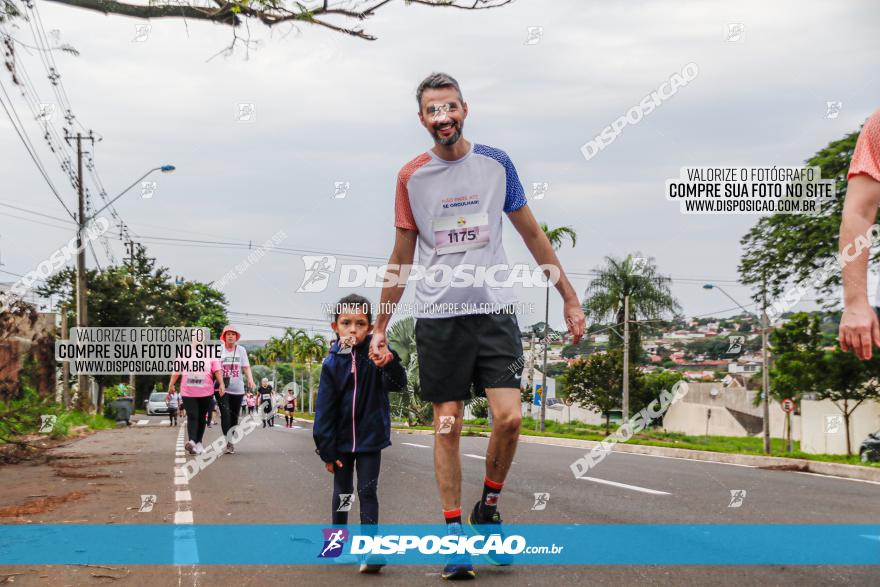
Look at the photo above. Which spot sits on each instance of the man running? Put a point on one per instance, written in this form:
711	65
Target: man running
859	327
450	201
264	396
235	363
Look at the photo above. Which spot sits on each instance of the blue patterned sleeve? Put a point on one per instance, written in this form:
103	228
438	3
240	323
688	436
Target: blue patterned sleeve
514	197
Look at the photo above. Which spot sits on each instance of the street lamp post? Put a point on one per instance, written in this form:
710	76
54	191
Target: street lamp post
81	291
765	373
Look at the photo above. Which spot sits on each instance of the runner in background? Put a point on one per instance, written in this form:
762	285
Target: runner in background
251	402
173	402
212	409
236	366
289	408
265	399
197	392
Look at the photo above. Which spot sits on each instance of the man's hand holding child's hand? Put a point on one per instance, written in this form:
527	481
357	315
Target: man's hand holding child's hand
379	359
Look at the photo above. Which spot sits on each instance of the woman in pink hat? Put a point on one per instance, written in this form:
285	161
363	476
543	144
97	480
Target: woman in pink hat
236	367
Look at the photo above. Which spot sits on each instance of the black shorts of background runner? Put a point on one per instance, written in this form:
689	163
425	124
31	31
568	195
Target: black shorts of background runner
483	349
196	416
230	410
366	465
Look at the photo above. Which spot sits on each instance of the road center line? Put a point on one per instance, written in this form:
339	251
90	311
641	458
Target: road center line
414	444
625	486
467	454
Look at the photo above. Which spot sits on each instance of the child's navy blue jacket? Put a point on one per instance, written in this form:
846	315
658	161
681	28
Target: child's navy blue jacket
352	413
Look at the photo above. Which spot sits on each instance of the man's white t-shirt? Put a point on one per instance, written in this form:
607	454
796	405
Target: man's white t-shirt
233	362
456	207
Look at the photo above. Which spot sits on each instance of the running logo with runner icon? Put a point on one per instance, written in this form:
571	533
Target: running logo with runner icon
446	423
147	503
346	500
541	500
318	271
737	497
47	423
334	541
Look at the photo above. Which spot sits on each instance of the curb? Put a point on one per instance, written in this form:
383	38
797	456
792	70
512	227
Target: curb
860	473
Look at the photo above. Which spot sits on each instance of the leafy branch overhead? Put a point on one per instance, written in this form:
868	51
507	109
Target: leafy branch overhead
271	12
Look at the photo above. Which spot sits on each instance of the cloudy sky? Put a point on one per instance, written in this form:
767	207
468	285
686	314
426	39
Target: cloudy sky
328	108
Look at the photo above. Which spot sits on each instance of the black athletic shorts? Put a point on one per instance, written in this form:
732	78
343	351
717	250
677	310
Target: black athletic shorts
480	349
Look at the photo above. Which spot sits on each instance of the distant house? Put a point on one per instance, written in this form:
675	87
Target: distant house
745	368
700	375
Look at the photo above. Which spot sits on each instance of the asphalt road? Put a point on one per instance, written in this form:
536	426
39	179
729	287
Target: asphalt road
275	477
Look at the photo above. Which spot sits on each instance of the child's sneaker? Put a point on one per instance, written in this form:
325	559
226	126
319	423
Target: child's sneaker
372	564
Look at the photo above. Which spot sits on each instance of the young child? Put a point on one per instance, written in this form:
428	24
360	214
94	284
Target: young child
173	402
353	416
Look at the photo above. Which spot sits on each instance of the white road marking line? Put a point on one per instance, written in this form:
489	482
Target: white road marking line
181	480
143	422
467	454
414	444
182	496
625	486
179	461
183	517
837	477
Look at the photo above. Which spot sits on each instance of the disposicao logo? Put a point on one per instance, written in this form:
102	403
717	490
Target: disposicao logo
334	540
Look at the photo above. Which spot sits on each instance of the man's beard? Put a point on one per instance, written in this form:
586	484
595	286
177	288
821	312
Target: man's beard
448	141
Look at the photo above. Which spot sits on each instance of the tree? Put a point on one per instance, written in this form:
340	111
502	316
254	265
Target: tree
796	356
406	403
787	248
138	294
650	388
801	365
311	349
268	12
649	294
556	236
596	383
848	382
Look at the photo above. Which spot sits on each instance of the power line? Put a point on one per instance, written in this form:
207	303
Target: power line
29	147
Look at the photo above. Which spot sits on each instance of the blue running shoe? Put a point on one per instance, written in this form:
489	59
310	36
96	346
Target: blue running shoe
487	526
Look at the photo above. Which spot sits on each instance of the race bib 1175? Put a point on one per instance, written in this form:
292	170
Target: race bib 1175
455	234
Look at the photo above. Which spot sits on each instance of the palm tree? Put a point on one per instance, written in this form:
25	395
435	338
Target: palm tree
312	349
288	345
556	236
650	297
407	403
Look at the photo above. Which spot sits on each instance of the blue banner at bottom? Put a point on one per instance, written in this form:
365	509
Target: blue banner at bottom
414	544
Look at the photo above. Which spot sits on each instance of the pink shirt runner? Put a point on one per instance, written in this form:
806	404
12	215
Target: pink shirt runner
199	383
866	156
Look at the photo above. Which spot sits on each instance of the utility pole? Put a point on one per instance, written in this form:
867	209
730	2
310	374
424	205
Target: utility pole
65	365
544	368
82	317
130	245
625	408
530	378
765	368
